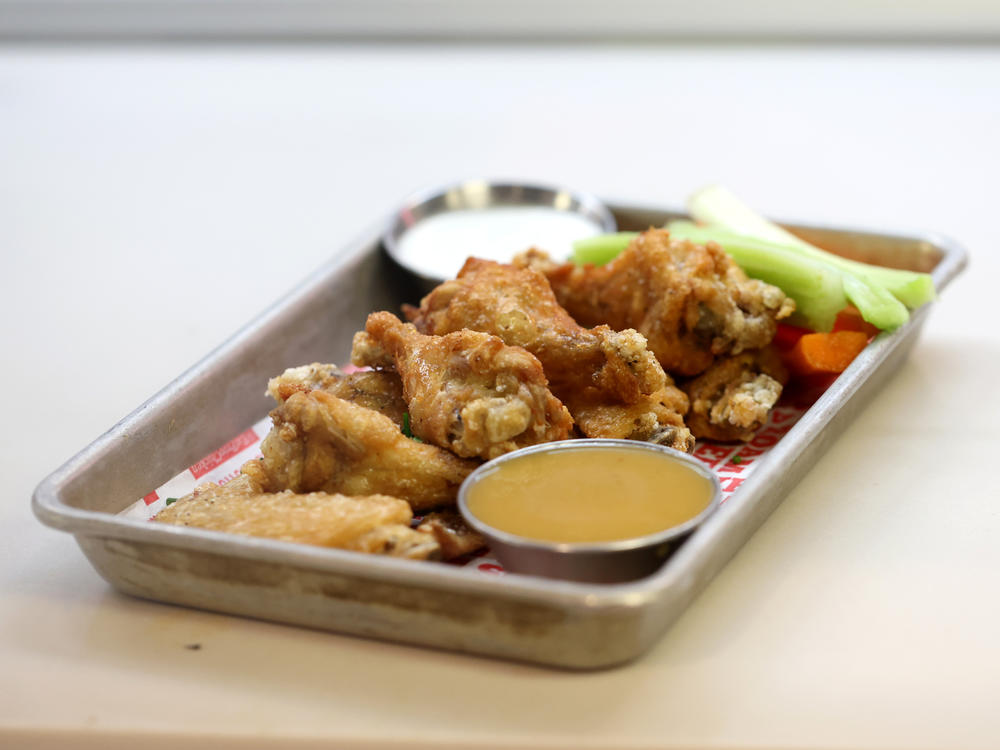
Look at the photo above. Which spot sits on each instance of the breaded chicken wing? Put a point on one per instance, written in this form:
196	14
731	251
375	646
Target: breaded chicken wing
656	418
691	302
518	305
321	443
376	524
467	391
452	533
380	390
730	401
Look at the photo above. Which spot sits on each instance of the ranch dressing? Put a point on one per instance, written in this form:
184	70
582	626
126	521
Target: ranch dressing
436	247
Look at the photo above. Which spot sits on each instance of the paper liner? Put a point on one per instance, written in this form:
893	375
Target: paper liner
733	463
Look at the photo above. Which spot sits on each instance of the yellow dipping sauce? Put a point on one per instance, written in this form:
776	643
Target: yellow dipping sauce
589	494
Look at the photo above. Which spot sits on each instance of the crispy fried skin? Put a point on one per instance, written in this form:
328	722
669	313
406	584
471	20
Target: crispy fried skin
517	304
467	391
376	524
321	443
691	302
454	536
657	418
380	390
730	401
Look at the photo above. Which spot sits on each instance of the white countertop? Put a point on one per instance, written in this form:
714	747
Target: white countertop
154	199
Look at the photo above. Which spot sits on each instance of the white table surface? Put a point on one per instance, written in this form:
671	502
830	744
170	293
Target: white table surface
154	199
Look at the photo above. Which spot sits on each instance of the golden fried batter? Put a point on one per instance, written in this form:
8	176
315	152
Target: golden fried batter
730	401
452	533
321	443
380	390
691	302
656	418
467	391
374	523
518	305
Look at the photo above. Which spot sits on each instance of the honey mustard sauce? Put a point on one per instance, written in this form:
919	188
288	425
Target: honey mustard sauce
588	495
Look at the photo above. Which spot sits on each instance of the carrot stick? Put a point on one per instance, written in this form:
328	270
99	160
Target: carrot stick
818	353
849	319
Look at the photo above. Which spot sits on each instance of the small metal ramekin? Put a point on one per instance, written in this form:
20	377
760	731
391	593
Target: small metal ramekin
595	562
481	194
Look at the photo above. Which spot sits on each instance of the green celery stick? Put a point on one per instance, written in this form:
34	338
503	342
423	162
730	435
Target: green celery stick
602	248
876	304
817	288
716	206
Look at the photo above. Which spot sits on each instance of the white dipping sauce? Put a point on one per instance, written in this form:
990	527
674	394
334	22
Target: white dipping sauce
436	247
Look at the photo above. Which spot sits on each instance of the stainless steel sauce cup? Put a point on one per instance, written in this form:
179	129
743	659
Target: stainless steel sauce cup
596	562
478	194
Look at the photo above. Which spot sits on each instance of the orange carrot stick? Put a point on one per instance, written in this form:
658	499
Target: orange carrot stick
818	353
849	319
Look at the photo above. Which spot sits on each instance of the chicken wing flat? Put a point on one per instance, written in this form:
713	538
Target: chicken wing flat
517	304
380	390
321	443
656	418
691	302
376	524
466	391
730	401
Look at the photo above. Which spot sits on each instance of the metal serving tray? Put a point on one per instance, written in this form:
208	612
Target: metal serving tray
512	616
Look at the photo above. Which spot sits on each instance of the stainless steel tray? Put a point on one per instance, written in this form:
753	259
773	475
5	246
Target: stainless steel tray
517	617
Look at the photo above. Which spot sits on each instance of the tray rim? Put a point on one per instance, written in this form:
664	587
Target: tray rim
50	508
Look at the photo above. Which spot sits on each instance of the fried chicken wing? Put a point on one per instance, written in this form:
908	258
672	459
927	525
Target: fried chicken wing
380	390
517	304
452	533
691	302
656	418
376	524
321	443
467	391
730	401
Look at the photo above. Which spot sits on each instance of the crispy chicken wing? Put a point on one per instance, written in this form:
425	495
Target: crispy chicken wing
691	302
374	523
466	391
452	533
380	390
517	304
730	401
321	443
656	418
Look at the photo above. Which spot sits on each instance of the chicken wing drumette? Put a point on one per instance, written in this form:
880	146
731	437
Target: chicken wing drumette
691	302
321	443
609	380
518	305
730	401
466	391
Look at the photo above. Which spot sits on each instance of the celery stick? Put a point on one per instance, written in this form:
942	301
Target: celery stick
602	248
816	288
909	287
875	303
716	206
819	287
